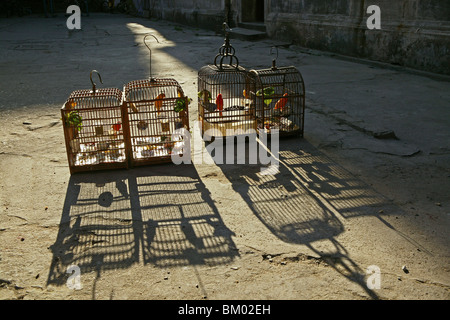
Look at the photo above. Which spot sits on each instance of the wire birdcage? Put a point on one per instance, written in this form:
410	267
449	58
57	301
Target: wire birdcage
93	131
155	110
278	94
223	105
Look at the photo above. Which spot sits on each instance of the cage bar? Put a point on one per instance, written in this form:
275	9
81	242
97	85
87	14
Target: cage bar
223	105
278	94
155	111
93	131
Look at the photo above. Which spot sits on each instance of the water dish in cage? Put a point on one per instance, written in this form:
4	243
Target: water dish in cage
165	125
142	125
234	108
99	131
211	107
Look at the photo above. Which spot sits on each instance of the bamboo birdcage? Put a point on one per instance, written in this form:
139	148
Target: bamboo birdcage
278	94
223	106
155	109
92	123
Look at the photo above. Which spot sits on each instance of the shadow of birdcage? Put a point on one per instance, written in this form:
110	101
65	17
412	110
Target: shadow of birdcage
182	225
306	201
160	215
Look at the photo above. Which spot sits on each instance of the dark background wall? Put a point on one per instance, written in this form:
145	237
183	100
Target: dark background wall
414	33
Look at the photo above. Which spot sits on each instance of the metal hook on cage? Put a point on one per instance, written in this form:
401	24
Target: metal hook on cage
226	28
226	50
92	81
274	63
150	52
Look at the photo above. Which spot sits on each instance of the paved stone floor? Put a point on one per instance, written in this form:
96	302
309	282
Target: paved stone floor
342	201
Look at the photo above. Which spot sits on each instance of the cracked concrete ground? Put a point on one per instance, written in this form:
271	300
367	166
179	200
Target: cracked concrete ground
343	200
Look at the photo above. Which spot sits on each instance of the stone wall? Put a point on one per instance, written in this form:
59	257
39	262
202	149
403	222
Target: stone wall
414	33
198	13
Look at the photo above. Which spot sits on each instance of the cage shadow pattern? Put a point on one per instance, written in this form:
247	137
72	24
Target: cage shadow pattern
114	220
306	201
188	224
300	203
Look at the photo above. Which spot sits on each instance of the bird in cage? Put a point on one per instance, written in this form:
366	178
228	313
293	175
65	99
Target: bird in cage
133	107
281	103
72	104
219	104
267	94
159	102
116	127
205	95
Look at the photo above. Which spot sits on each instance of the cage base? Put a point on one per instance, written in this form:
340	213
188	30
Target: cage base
152	161
98	167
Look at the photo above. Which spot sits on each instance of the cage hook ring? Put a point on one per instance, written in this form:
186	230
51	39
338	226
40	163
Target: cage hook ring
274	66
236	66
92	81
230	51
226	28
149	49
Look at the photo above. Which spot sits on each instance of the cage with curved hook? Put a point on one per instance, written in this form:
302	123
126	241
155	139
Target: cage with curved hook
150	50
223	106
157	117
278	94
92	122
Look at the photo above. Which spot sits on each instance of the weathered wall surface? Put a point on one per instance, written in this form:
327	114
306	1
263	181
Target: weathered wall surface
199	13
414	33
